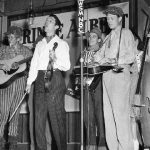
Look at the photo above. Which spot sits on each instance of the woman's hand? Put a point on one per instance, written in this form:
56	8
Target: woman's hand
96	58
6	67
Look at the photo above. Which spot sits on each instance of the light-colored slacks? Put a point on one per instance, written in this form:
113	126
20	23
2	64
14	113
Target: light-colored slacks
116	89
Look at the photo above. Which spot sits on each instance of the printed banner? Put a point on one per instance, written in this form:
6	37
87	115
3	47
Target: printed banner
92	17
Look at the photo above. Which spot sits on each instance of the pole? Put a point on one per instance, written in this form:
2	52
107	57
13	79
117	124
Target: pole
81	31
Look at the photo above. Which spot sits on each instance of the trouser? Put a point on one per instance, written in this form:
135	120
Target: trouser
93	115
9	100
50	104
116	88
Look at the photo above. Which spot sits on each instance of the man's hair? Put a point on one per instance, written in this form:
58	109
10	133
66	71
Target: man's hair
57	21
115	11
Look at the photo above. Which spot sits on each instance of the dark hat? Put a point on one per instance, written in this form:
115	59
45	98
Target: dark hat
114	10
95	30
14	30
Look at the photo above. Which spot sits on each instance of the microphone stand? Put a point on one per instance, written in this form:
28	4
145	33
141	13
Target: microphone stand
81	64
81	31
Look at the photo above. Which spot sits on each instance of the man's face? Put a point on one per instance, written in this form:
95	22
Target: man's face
93	39
13	40
113	20
50	25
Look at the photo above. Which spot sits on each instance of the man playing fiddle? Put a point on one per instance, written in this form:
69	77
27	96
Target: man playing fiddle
51	57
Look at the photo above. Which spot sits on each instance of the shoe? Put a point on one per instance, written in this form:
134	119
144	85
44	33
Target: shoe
2	143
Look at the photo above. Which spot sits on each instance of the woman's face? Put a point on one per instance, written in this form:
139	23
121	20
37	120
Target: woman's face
93	39
13	40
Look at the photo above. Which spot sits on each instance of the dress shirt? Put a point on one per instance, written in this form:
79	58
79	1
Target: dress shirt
111	46
41	57
88	60
88	57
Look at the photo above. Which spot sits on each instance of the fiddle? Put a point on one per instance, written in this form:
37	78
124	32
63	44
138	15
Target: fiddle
49	72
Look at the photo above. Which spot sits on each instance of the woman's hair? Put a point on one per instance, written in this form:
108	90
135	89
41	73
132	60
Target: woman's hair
17	31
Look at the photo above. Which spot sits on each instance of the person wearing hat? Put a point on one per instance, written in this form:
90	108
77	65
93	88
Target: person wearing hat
119	49
51	58
93	115
12	90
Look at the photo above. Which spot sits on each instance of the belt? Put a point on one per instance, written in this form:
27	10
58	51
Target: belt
54	70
